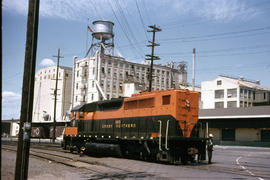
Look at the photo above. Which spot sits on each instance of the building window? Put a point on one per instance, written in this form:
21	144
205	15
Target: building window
92	97
249	94
254	95
241	92
219	82
102	83
66	74
76	98
120	87
231	104
78	72
231	93
219	105
77	85
228	134
219	94
94	70
264	95
241	104
93	84
108	96
166	99
245	93
78	65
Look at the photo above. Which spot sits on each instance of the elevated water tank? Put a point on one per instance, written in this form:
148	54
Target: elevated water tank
103	30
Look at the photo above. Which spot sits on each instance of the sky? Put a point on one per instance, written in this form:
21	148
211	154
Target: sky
231	37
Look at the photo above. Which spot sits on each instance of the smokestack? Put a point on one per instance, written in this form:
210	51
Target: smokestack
193	71
73	81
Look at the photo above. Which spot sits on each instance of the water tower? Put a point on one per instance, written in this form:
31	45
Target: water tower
102	38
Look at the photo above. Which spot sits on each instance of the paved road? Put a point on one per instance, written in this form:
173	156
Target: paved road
228	163
254	162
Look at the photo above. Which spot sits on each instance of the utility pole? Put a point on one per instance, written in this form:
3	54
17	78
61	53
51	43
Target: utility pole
22	158
55	93
73	81
193	70
152	57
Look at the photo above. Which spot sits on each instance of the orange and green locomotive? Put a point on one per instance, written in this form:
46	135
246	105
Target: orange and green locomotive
160	125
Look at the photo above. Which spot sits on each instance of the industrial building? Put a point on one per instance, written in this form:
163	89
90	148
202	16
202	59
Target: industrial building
115	75
43	106
101	75
231	92
239	126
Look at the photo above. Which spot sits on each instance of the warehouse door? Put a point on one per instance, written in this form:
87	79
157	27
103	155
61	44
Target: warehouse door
228	134
265	135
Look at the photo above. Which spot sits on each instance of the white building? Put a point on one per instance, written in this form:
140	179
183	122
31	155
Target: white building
229	92
43	106
110	73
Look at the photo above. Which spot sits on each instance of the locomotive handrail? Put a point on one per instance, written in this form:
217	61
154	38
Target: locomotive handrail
160	135
166	140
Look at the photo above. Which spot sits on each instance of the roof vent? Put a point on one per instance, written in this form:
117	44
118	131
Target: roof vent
258	82
241	78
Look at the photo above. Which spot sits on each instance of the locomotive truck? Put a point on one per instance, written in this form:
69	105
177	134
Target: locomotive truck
159	125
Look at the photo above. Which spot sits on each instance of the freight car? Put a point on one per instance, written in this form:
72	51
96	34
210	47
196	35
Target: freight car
159	125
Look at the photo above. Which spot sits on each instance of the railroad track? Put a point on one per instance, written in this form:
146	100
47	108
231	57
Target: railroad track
101	170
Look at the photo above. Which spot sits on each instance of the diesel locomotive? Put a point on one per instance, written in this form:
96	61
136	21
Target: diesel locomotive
158	125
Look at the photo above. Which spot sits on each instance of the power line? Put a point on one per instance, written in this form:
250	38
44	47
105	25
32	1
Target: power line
127	25
220	50
146	12
217	34
121	26
143	24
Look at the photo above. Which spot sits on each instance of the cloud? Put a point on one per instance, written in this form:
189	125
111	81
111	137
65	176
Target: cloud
11	103
10	97
219	10
47	62
80	10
